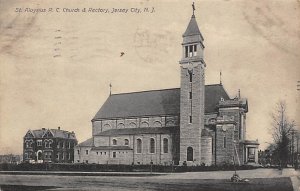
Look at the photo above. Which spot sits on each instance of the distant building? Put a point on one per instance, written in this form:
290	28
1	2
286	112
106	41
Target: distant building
11	159
194	124
49	145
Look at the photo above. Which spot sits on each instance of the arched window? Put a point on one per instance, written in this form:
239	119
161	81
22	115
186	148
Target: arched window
132	125
126	142
39	155
189	156
121	125
50	143
144	124
139	146
166	145
46	143
114	142
152	145
157	124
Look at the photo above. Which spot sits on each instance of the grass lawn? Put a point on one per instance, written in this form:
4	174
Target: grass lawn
46	182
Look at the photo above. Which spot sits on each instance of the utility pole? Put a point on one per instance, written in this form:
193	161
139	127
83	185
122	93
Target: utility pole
298	112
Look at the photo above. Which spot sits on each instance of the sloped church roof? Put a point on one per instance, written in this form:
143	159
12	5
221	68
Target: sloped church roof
192	28
155	102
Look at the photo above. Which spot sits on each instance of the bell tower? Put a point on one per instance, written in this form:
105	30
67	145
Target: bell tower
192	89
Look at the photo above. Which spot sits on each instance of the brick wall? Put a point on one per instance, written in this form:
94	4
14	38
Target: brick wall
224	154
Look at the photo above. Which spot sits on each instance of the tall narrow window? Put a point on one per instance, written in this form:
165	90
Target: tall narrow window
212	145
189	154
190	95
224	142
114	142
190	50
166	145
186	51
86	152
114	154
195	50
126	142
190	119
191	76
46	144
139	146
152	145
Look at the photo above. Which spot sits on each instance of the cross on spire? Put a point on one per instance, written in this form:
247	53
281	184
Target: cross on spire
110	86
193	6
220	77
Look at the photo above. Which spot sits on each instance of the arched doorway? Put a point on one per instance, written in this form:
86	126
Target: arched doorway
190	154
39	156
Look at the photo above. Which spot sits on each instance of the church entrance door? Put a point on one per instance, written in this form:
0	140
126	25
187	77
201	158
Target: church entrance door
190	154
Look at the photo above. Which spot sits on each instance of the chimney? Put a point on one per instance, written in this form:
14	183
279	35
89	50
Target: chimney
58	128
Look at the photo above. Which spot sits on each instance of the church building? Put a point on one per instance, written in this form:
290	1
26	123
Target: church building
195	124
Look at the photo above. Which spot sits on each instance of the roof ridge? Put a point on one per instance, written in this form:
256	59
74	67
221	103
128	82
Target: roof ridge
214	85
145	91
159	90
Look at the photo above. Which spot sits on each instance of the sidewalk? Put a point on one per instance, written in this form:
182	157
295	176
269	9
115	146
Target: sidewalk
257	173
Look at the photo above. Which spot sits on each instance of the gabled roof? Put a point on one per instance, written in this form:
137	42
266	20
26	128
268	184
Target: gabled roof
137	131
29	134
156	102
48	132
63	134
192	28
39	133
88	143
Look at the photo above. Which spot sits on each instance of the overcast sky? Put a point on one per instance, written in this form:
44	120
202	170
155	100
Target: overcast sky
56	66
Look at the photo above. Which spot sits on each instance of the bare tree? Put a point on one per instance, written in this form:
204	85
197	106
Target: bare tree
281	130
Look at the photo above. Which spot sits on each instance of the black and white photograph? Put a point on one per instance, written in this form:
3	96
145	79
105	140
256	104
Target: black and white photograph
150	95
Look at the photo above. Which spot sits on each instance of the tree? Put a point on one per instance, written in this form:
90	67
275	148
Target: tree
281	130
